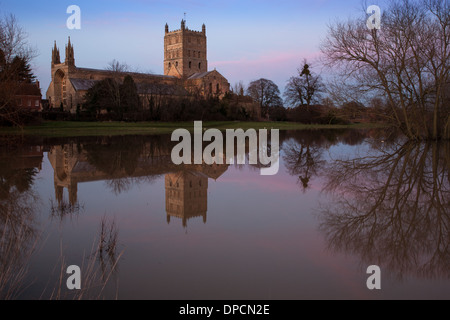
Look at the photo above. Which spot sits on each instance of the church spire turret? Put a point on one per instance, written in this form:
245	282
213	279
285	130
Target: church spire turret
55	55
70	55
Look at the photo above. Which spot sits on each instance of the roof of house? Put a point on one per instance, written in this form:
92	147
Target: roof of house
29	89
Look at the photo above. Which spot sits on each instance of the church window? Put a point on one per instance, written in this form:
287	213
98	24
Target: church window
210	88
170	65
217	88
199	65
176	64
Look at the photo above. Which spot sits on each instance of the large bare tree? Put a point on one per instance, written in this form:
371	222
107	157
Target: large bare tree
15	57
406	61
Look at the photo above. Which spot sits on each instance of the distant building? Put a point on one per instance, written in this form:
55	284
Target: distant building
185	70
29	96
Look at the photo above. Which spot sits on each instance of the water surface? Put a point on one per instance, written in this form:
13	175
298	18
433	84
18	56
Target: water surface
142	228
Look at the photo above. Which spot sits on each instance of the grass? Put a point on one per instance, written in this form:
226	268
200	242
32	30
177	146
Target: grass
79	129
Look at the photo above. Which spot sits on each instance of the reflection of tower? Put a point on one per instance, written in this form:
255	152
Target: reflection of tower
186	195
63	160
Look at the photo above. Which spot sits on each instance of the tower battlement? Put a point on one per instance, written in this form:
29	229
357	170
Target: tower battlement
185	51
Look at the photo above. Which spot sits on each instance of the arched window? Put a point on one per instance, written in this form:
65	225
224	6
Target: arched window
170	65
190	64
176	64
199	65
217	88
210	88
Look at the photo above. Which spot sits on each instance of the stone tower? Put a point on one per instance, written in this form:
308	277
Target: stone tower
185	51
58	93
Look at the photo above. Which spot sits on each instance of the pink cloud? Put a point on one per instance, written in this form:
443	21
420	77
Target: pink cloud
276	66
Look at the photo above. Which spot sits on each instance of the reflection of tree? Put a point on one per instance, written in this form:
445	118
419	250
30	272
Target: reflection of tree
121	157
116	155
302	151
63	209
122	185
302	161
392	208
17	233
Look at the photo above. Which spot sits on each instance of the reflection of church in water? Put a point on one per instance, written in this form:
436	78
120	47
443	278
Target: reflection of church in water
186	186
187	191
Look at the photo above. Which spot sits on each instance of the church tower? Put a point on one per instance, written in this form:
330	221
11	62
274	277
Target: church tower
185	51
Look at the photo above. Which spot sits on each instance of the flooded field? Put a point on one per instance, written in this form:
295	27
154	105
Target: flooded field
140	227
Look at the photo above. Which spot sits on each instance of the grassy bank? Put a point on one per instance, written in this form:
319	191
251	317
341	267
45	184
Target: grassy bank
78	129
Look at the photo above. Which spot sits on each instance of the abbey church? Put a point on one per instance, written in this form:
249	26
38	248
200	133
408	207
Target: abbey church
185	71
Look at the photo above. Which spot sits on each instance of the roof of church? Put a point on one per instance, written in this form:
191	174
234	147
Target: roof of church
137	74
199	75
142	87
82	84
160	88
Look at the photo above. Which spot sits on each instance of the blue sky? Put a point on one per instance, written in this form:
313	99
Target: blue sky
247	40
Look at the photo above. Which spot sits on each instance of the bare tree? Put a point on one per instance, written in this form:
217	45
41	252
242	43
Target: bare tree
304	88
239	88
266	93
117	66
407	61
15	57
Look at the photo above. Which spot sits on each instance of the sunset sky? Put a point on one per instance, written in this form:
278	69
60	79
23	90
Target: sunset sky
247	40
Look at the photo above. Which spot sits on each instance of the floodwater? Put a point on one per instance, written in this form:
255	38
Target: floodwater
140	227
